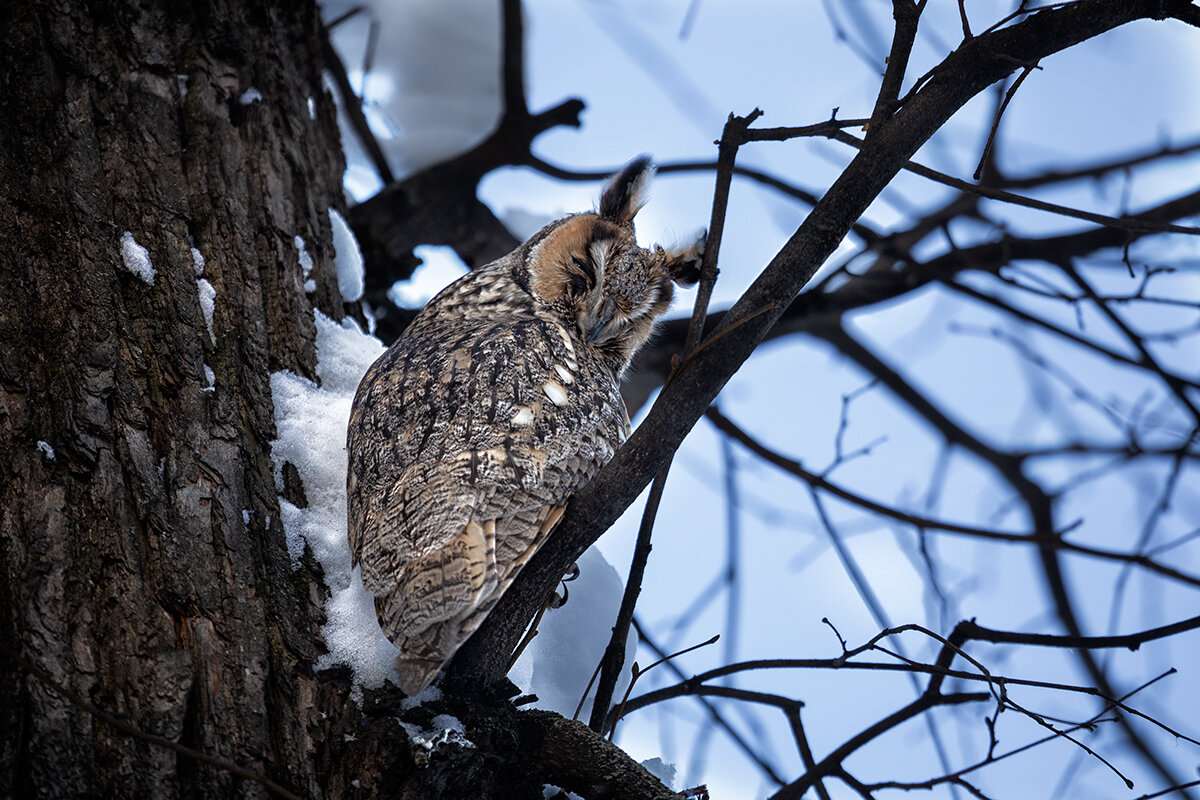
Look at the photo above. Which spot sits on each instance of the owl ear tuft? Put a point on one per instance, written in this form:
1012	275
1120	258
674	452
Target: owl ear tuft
683	263
625	192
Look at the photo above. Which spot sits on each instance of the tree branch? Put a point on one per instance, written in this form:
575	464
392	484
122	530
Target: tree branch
614	655
907	15
832	763
570	755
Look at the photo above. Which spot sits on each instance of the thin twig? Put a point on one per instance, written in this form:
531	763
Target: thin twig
739	741
1008	96
906	15
614	654
352	104
638	672
1127	224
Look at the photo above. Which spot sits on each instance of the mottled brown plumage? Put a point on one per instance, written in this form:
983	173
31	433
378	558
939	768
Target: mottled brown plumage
499	401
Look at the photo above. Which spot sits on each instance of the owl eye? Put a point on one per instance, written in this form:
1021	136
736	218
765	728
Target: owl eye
583	277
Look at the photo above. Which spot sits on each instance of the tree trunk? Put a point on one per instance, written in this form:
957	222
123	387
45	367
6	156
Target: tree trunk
144	564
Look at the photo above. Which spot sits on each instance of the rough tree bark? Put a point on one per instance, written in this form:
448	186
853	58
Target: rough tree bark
145	573
144	563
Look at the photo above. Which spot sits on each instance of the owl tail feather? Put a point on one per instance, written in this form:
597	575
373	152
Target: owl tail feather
415	673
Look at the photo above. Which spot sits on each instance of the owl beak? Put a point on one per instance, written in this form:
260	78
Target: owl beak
605	316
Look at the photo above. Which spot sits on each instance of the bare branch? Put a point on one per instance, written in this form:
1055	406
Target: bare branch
907	15
1122	223
352	104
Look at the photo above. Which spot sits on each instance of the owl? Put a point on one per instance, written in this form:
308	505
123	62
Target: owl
499	401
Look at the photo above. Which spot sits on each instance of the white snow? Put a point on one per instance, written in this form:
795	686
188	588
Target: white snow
450	731
208	296
560	660
662	770
306	264
549	791
446	722
347	259
427	695
251	95
46	449
210	379
197	262
311	422
312	108
441	266
136	258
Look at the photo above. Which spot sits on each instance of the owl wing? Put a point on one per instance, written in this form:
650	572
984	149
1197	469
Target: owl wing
464	447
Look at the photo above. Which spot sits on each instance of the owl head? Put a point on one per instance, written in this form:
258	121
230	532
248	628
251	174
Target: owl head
589	269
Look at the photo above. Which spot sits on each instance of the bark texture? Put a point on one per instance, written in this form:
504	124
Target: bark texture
144	564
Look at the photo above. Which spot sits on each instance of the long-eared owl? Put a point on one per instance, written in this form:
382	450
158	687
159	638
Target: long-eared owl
497	403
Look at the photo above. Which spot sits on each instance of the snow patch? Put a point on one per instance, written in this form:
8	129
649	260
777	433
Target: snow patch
208	296
251	95
136	258
429	694
311	422
446	730
662	770
560	660
312	108
447	722
347	259
552	792
210	379
197	262
46	449
429	740
306	264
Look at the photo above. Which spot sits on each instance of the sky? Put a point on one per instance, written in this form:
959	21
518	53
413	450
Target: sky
661	76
